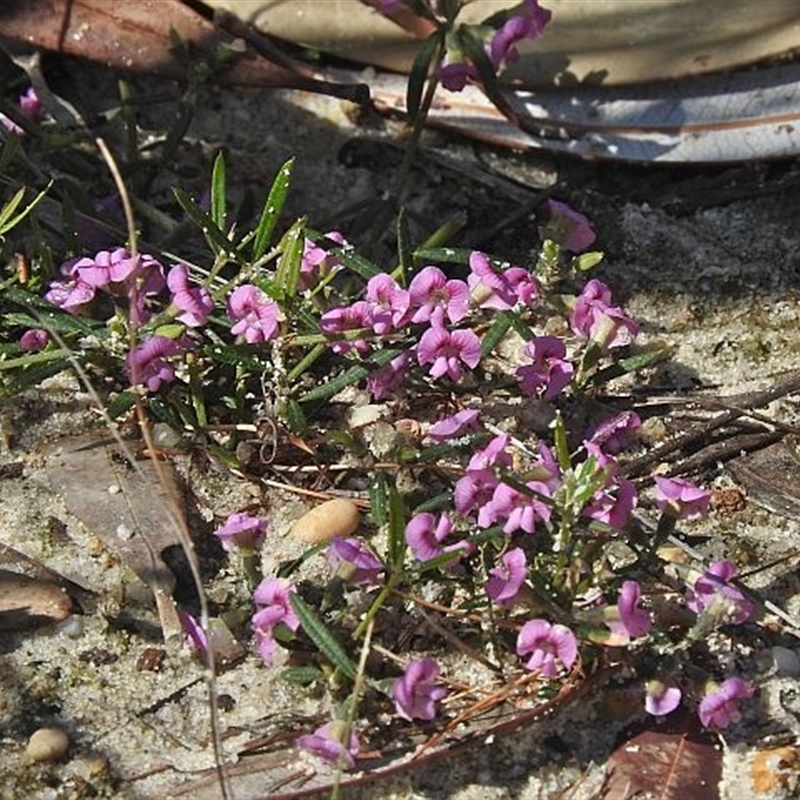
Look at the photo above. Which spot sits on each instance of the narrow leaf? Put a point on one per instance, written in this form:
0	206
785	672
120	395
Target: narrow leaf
498	330
218	192
347	378
447	255
419	71
215	236
272	209
378	499
319	634
287	275
397	525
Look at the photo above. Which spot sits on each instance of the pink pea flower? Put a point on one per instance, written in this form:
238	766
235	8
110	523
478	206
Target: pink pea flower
454	72
275	608
334	742
389	378
389	303
425	534
254	315
616	433
631	621
316	262
195	635
72	296
660	699
474	491
29	105
347	318
500	289
494	455
242	532
519	510
550	647
415	693
353	561
613	507
719	707
595	318
569	228
506	579
714	595
109	266
545	468
452	427
446	351
34	339
550	371
194	302
147	364
432	297
681	498
528	24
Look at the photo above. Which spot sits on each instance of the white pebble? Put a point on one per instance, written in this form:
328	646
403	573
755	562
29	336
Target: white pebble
47	744
337	517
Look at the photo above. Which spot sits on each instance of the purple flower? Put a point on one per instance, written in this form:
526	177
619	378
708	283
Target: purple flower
34	339
507	578
528	24
714	595
109	266
446	351
595	318
147	363
547	645
353	561
681	498
494	454
71	296
550	371
433	296
242	532
568	228
389	303
660	699
613	508
415	693
195	635
275	608
316	262
29	105
518	509
492	288
631	621
454	426
615	434
388	379
255	316
334	742
455	71
719	708
347	318
474	490
425	534
194	302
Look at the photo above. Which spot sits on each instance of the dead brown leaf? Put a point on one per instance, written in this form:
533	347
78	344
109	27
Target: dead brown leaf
672	760
128	504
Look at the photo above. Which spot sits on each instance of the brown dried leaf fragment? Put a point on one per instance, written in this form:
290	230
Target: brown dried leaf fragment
672	760
130	505
27	603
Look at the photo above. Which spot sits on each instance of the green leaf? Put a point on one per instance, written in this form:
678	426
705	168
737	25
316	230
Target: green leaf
356	263
586	261
295	417
378	499
29	378
55	321
218	192
217	240
626	365
7	218
287	275
498	330
397	525
404	254
446	255
303	676
272	209
322	637
420	69
325	390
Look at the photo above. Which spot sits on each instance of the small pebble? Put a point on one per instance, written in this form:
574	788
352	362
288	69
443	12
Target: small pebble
47	744
338	517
